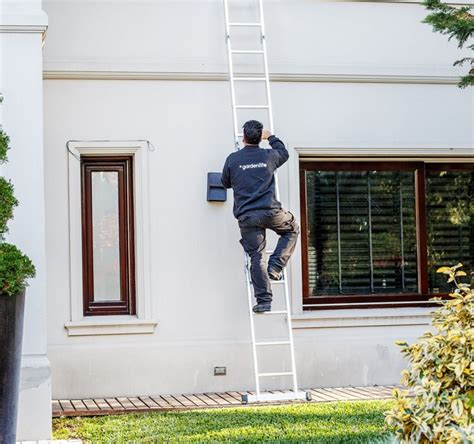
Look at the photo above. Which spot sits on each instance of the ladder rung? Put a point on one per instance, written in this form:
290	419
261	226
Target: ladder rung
274	343
250	79
244	24
260	375
252	107
277	312
247	51
240	134
281	281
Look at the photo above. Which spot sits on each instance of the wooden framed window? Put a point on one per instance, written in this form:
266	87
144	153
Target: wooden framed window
450	220
108	255
375	232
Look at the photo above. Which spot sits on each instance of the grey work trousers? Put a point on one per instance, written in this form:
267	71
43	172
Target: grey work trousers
253	225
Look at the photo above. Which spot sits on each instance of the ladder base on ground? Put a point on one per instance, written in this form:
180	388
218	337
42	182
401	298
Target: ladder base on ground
275	397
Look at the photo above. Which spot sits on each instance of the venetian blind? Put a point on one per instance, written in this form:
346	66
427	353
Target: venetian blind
361	232
450	221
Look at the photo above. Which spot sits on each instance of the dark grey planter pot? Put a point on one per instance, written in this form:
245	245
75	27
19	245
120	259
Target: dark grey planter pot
11	335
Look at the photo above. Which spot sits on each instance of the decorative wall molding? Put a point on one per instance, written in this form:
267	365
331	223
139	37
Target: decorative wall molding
458	3
22	29
384	317
35	370
142	322
94	327
276	77
417	2
359	152
35	22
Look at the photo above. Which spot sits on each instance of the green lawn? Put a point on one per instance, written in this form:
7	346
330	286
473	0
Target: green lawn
336	422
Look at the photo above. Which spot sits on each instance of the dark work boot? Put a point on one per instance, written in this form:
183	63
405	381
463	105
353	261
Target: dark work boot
262	307
275	275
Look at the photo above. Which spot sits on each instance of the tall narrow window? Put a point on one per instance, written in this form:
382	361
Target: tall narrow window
108	235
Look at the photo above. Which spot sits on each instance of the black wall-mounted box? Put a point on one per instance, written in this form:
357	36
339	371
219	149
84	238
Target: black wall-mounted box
216	192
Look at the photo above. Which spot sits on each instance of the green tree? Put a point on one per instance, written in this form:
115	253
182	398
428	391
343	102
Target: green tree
15	267
457	22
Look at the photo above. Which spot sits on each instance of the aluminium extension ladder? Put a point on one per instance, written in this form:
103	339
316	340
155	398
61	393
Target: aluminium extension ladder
264	77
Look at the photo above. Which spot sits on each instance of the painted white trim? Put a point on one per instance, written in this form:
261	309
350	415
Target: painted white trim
35	22
110	325
458	3
385	317
22	29
295	271
416	2
361	151
35	371
91	74
358	152
139	150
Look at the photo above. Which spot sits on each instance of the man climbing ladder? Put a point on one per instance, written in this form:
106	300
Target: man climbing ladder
250	173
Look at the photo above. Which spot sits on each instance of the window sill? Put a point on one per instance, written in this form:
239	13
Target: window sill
377	317
110	325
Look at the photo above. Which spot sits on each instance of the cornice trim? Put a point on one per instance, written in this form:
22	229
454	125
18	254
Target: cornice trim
35	22
21	29
220	76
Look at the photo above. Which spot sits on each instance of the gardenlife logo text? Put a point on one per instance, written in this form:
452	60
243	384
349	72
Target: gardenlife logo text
253	165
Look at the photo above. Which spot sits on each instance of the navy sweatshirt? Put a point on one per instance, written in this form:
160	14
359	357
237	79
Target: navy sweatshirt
249	172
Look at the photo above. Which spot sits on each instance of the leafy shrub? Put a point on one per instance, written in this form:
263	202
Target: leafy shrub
7	203
4	140
15	267
441	374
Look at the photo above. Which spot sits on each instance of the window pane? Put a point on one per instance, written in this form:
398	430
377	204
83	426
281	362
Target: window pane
450	214
105	226
361	232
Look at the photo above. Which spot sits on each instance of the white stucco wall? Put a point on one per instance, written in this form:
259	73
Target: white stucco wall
360	76
22	25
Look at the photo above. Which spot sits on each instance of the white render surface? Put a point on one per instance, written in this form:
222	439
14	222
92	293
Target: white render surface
21	31
365	78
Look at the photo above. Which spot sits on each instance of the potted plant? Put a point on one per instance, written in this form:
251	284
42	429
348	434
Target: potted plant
15	270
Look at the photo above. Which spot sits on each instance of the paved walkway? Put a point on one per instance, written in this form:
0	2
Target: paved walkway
113	406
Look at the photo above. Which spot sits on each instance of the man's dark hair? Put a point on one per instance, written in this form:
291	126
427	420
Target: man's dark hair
253	132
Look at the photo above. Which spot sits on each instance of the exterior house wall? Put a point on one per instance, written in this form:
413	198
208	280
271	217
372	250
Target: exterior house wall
22	25
352	77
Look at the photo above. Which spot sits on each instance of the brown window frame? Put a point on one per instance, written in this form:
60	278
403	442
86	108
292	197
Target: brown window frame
421	298
123	165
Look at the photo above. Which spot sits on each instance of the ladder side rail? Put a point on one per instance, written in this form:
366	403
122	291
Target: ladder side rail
290	333
231	72
265	64
252	326
246	257
277	188
267	84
